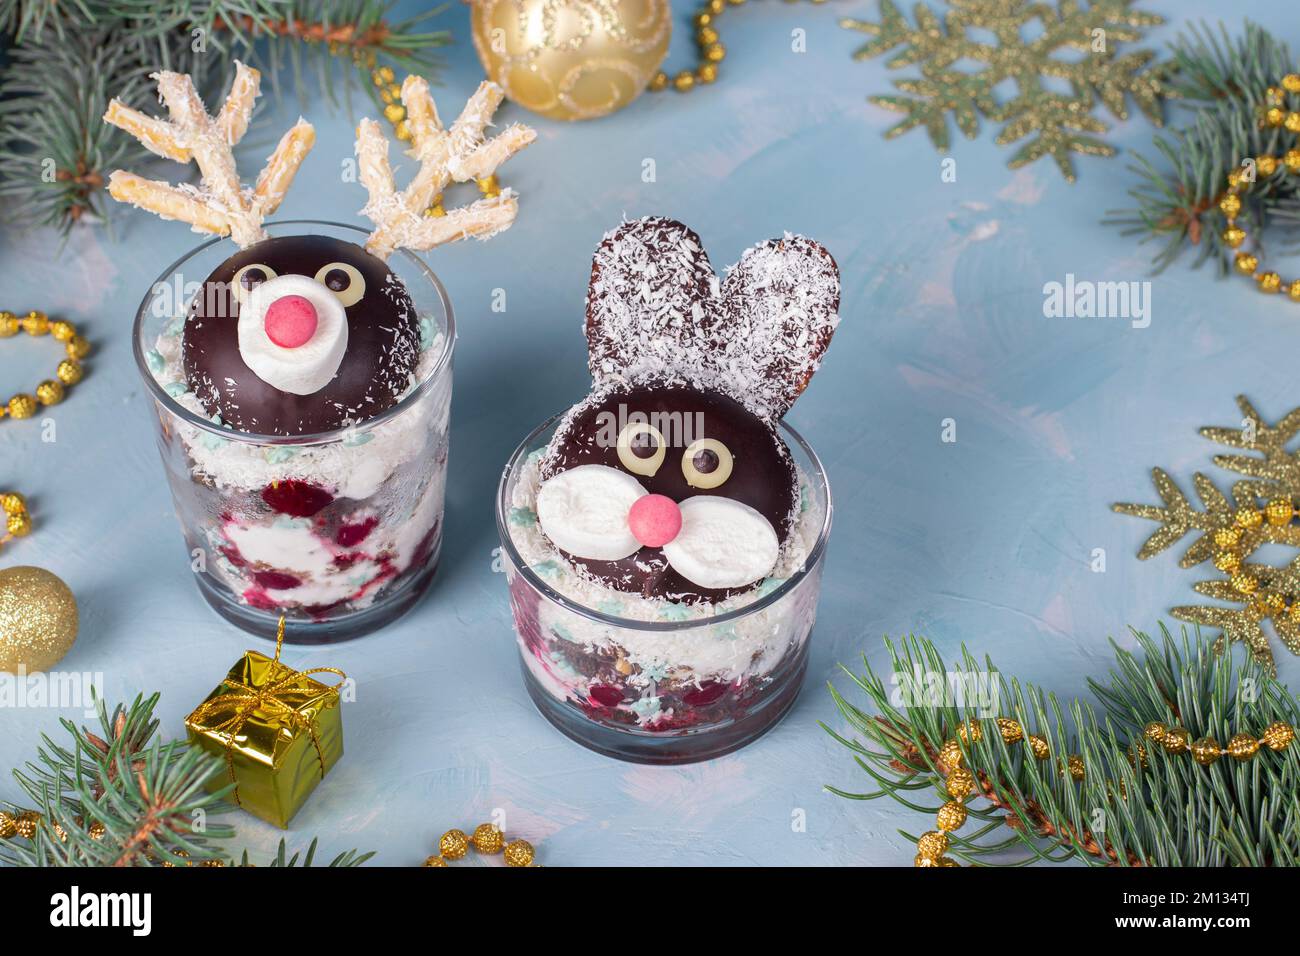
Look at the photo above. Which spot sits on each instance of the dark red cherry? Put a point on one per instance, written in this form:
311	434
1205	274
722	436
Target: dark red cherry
276	580
605	695
705	694
295	498
351	535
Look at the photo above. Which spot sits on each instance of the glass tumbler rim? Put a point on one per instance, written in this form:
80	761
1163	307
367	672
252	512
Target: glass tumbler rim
813	561
254	438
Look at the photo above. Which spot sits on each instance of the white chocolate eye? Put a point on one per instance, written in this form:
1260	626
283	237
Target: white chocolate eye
249	278
344	280
706	463
634	438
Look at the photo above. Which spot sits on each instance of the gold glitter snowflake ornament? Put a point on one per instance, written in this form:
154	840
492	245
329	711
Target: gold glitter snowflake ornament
1023	43
1261	511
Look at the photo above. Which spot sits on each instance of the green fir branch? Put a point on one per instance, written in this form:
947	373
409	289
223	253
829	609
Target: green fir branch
1162	809
65	61
120	796
1176	200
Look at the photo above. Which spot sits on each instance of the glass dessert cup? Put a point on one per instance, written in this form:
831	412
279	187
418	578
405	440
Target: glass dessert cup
338	531
660	690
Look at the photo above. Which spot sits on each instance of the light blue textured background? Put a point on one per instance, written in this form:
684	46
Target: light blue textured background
986	541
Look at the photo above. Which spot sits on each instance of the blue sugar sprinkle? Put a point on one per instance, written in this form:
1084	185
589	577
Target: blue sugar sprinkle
523	517
646	706
655	671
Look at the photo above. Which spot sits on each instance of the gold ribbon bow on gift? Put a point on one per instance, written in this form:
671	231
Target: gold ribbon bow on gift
246	699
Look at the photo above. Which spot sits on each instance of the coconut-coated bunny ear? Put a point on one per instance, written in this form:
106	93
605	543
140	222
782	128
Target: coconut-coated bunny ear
652	300
656	308
780	306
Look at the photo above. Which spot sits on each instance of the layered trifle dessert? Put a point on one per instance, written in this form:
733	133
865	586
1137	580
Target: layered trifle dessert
303	386
664	539
305	527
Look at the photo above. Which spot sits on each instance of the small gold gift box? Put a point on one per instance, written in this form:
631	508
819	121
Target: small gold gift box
278	730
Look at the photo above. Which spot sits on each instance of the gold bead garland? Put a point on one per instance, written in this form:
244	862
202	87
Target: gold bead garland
18	523
960	782
69	371
1248	263
25	823
1231	546
487	839
390	93
709	48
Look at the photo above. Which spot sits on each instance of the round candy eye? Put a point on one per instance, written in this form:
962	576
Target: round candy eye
249	278
641	448
344	280
706	463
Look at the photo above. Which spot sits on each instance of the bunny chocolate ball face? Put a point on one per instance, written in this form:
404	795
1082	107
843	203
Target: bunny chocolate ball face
300	334
679	441
668	491
670	481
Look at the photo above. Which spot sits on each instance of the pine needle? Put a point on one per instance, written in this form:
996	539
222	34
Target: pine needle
1166	811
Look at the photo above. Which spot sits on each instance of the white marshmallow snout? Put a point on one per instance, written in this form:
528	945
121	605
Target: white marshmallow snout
723	543
584	512
309	367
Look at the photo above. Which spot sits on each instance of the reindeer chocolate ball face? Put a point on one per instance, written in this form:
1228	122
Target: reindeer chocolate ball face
300	334
706	489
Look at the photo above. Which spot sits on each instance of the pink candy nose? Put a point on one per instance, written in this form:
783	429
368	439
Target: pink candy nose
290	321
654	520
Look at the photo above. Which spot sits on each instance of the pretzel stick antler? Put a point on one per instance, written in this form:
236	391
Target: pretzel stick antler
222	205
459	154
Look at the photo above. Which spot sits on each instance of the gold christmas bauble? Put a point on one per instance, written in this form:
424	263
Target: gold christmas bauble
38	619
571	59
